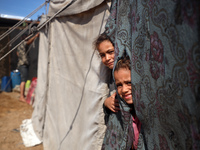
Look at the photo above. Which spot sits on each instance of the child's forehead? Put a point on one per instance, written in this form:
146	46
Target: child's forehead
121	71
123	68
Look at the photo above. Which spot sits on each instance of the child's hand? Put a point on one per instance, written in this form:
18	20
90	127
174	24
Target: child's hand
112	103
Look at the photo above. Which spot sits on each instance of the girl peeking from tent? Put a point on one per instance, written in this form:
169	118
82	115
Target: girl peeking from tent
107	53
122	124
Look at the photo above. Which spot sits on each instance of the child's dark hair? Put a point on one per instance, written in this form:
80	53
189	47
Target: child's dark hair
102	37
123	62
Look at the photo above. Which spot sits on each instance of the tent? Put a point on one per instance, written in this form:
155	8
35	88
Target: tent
162	40
71	85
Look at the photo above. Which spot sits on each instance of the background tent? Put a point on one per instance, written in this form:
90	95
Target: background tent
68	112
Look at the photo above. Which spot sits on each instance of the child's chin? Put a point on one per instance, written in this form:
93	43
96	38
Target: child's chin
110	67
129	101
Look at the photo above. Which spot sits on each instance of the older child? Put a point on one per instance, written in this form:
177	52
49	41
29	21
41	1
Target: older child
107	53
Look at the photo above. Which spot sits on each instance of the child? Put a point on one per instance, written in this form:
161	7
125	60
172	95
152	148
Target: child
107	53
123	132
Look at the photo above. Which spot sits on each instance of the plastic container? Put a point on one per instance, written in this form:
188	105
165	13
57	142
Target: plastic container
28	83
16	78
6	84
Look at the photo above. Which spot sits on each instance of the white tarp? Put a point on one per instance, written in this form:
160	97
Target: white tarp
27	133
68	111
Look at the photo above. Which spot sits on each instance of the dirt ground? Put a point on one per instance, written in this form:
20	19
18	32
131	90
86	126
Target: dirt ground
12	113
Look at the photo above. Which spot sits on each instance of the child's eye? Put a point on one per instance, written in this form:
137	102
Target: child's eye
111	51
101	55
128	83
118	85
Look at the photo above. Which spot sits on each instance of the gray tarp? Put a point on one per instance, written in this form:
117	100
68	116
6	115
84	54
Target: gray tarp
73	6
68	111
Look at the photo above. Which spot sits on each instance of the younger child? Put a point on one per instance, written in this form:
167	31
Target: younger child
123	132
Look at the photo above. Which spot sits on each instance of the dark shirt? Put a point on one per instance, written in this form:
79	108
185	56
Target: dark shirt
22	55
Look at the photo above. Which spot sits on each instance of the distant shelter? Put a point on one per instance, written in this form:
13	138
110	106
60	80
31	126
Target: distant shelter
9	63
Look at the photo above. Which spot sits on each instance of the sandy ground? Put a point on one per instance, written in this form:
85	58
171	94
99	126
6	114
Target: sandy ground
12	113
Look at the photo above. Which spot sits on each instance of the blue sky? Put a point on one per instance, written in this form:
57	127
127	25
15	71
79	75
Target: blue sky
22	8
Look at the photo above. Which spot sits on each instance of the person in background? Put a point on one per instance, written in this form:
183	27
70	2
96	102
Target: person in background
23	63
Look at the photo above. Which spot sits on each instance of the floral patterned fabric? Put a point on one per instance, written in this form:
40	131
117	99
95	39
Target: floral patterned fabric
162	40
119	133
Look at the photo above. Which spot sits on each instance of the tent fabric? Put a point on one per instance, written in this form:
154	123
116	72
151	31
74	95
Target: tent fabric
162	40
72	82
38	116
73	6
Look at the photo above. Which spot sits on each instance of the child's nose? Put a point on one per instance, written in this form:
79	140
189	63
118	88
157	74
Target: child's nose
124	89
107	57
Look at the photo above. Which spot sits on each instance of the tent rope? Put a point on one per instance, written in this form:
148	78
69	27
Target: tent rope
17	36
59	11
41	26
16	46
21	21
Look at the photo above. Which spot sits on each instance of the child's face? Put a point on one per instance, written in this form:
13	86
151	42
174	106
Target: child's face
123	82
107	53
